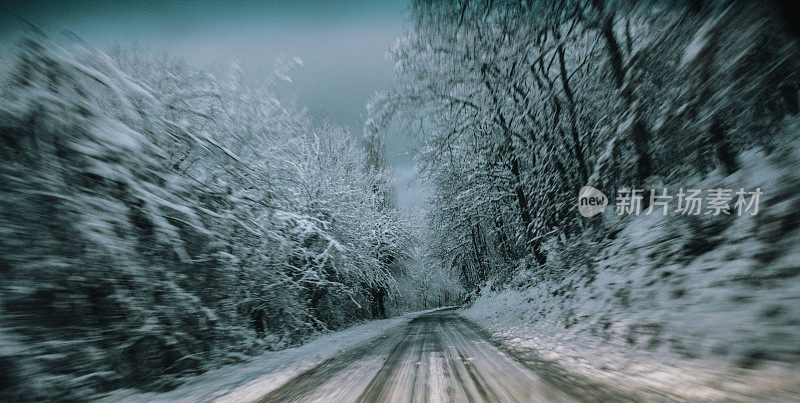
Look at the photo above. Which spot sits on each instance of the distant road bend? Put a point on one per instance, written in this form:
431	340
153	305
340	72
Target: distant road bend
437	357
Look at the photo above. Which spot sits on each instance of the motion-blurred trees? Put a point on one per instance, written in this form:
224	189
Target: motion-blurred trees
522	103
157	220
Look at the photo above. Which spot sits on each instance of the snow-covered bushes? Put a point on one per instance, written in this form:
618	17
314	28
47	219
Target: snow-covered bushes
156	221
663	290
98	234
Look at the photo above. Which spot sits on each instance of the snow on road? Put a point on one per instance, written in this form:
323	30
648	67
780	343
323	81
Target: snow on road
441	356
250	380
602	364
423	356
437	357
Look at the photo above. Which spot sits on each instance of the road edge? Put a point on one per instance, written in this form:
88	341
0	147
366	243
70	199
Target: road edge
575	385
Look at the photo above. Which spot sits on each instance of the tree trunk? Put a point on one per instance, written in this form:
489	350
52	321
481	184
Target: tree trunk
722	148
576	143
639	133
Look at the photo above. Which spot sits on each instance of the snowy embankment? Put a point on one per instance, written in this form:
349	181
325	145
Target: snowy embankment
251	380
672	306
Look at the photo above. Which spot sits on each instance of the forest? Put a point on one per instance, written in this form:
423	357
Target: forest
159	220
521	105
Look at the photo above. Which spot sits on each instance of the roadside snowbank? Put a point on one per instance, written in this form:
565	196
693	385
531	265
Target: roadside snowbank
673	306
251	380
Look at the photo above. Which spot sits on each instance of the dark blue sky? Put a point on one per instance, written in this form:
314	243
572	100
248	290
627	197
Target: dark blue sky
342	44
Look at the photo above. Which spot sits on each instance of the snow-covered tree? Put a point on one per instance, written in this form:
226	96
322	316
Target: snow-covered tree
522	104
157	220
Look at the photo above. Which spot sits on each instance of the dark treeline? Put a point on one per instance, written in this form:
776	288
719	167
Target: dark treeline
520	104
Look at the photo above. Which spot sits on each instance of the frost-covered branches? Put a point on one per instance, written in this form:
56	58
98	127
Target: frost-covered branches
524	103
156	218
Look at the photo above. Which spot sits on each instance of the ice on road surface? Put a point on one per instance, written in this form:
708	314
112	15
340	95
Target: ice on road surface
436	357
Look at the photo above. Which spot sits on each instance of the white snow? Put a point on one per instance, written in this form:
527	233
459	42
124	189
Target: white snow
716	322
251	380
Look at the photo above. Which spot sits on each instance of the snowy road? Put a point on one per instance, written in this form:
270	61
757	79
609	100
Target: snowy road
436	357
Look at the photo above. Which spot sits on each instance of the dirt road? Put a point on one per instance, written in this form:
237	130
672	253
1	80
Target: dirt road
437	357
